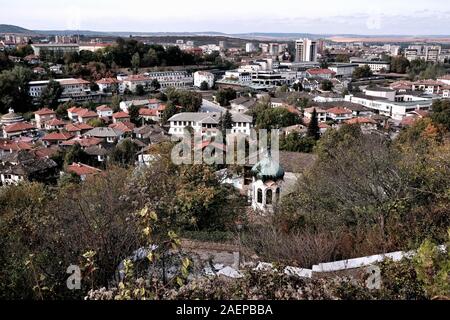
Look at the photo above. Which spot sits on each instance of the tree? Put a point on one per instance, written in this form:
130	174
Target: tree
76	154
313	126
140	91
399	64
169	112
204	86
155	84
115	103
362	72
133	112
441	113
224	96
136	62
326	85
96	123
276	118
294	142
225	122
124	153
14	89
51	94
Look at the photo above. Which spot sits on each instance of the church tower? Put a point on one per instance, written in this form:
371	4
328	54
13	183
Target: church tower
268	178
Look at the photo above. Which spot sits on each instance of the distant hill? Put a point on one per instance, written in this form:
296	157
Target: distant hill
7	28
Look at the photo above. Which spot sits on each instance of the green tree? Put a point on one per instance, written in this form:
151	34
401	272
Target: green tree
276	118
136	62
133	111
76	154
326	85
294	142
14	89
362	72
125	152
115	103
140	91
155	84
313	126
224	96
51	94
204	86
225	122
96	123
441	113
399	64
169	112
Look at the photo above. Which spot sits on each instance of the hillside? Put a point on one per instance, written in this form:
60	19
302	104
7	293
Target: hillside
7	28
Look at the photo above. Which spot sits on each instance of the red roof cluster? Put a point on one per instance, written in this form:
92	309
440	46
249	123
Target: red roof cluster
57	136
18	127
44	112
82	170
121	115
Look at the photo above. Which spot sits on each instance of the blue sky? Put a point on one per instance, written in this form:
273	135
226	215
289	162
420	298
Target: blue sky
430	17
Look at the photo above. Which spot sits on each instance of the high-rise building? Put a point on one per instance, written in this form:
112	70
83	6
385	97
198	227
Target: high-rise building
250	47
306	50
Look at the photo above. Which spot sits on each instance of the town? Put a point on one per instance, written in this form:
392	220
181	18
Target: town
345	166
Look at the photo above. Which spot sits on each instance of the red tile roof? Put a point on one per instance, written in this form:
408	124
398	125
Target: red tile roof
108	81
339	111
121	115
55	122
125	127
146	112
361	120
104	108
83	142
57	136
44	112
87	114
82	169
18	127
320	71
15	145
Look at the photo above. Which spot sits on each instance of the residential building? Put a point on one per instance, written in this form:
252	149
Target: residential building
60	48
375	66
18	129
73	89
320	73
306	50
207	123
82	170
16	167
321	113
43	115
203	76
104	111
339	114
110	135
343	70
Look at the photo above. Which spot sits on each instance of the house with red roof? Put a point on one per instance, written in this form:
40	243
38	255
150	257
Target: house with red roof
104	111
86	115
43	115
84	142
339	114
320	73
73	112
366	124
110	84
125	127
121	117
54	124
18	129
82	170
56	138
77	128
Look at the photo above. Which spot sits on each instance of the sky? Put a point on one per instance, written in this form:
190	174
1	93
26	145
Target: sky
368	17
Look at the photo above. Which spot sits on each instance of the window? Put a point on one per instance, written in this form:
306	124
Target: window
269	196
277	196
260	196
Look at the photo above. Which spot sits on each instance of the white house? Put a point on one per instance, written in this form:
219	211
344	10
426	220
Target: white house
321	113
207	123
203	76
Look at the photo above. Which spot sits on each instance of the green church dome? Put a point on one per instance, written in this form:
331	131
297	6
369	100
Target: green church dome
268	169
